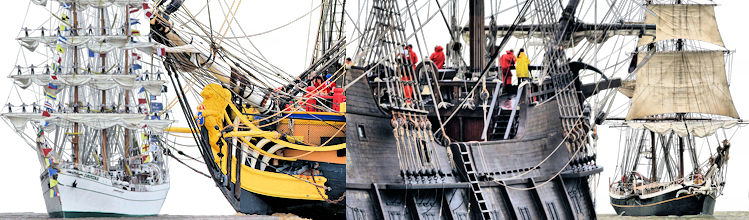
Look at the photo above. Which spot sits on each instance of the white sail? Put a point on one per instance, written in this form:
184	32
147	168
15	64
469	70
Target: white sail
101	82
682	82
92	120
687	21
684	128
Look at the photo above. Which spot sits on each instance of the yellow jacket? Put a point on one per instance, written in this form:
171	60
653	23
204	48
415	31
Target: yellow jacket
521	66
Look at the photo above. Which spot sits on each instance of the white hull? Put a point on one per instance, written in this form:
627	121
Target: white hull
97	196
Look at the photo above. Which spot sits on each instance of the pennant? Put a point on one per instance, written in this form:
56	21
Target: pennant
60	49
135	32
161	51
51	171
62	39
134	21
52	86
52	182
48	161
49	107
58	58
136	56
91	53
149	14
137	66
51	96
142	90
46	151
134	9
146	8
52	193
46	114
65	5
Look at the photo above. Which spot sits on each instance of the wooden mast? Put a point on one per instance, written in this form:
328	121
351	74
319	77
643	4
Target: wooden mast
104	156
126	157
476	23
76	136
653	159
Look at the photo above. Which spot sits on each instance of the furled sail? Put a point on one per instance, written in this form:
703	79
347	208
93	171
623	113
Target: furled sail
93	120
682	82
687	21
102	82
683	128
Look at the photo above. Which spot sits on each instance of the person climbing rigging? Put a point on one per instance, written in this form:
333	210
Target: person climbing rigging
438	57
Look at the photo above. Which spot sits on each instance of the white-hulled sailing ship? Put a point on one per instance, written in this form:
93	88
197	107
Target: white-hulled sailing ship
91	109
680	102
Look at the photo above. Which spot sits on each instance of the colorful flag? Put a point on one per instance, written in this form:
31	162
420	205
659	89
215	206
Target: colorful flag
52	86
65	18
134	21
65	5
52	193
135	32
58	58
137	66
51	171
161	51
141	101
62	39
52	182
144	149
146	8
147	158
134	9
54	77
60	49
46	114
48	106
136	56
46	151
48	161
56	67
63	27
51	96
91	53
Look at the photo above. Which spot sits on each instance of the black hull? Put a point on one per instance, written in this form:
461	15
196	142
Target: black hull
666	204
252	203
375	189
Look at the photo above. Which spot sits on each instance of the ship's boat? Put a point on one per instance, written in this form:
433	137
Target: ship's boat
92	110
272	142
454	143
680	104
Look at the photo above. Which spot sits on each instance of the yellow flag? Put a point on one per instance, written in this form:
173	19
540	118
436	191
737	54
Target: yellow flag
52	182
51	193
60	49
63	27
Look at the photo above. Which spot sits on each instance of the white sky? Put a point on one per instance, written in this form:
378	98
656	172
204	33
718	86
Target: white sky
193	194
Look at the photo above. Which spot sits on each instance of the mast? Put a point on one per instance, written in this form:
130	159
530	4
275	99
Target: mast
476	23
126	157
76	136
104	155
653	158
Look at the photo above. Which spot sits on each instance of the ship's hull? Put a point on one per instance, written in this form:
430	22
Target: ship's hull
81	194
665	204
376	190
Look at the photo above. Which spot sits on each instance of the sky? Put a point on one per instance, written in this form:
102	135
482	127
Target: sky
289	48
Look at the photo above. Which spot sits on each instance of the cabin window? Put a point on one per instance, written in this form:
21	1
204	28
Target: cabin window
362	134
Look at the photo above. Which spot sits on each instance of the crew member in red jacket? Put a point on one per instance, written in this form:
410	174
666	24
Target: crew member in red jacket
438	57
412	56
505	62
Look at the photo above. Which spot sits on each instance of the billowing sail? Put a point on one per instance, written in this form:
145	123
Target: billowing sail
687	21
682	82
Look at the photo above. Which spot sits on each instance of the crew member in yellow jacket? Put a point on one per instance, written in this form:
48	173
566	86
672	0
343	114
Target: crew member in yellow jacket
521	67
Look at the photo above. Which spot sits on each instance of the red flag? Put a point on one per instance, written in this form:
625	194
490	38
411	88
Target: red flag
46	151
46	114
133	10
146	7
161	51
54	77
141	101
149	14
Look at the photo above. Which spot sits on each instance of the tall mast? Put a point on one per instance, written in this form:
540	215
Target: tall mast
126	156
104	156
653	158
476	23
75	89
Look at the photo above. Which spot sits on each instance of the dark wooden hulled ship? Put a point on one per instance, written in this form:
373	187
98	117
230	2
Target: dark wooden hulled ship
424	144
679	101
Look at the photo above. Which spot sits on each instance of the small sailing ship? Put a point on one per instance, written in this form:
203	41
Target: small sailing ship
272	141
680	105
91	109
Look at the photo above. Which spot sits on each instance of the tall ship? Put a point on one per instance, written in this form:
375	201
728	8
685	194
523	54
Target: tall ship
89	103
272	141
457	141
676	134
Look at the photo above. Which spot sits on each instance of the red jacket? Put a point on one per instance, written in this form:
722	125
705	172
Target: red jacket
507	60
412	57
438	57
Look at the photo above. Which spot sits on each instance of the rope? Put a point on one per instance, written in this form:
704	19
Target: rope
652	204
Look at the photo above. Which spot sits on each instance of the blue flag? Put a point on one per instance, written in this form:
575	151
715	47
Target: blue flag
137	67
156	107
134	21
91	53
62	39
65	5
52	171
